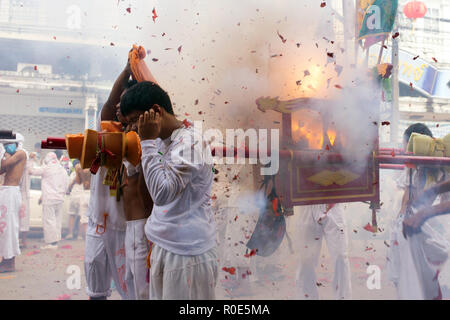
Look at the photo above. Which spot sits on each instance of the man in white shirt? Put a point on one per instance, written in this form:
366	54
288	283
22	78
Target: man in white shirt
177	168
55	183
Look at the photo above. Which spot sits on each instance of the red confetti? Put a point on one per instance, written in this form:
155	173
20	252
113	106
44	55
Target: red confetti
196	102
327	147
395	35
154	14
415	57
385	123
281	37
411	85
129	10
154	59
330	54
179	49
31	253
251	253
35	67
337	86
230	270
369	228
54	38
235	218
323	4
186	123
111	44
434	59
17	90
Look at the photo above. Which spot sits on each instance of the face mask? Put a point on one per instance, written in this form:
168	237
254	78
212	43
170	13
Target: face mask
11	148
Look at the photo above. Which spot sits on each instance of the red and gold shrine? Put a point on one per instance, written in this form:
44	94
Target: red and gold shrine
318	159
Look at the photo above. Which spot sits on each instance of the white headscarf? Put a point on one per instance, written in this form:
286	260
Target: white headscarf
51	159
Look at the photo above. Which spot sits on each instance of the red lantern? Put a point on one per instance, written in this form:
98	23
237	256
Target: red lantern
415	9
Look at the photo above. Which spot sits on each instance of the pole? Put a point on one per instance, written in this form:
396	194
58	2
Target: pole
395	90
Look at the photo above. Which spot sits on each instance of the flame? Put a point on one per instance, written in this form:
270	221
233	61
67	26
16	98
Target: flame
331	136
307	128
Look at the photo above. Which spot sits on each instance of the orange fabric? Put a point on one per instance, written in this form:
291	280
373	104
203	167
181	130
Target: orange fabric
138	67
111	126
74	144
134	151
115	143
89	152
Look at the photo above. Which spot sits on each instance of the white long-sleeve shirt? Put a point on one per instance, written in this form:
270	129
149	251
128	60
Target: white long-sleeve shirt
54	183
178	174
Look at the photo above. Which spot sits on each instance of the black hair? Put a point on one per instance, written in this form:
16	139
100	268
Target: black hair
131	83
142	96
417	128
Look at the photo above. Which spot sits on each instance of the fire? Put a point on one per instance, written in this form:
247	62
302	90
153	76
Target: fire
307	130
331	136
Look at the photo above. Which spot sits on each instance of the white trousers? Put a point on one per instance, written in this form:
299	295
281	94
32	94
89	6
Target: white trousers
314	225
51	222
136	249
177	277
104	260
10	201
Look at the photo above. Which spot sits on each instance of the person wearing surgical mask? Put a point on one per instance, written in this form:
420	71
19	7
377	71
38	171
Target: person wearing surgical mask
12	164
55	183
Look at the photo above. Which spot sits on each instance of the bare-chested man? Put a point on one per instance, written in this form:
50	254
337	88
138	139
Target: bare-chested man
137	209
12	165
